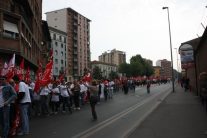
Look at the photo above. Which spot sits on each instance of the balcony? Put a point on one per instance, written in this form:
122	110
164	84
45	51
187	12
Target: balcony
75	45
75	38
10	45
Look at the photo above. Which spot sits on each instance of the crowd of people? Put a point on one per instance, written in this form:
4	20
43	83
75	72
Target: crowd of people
19	103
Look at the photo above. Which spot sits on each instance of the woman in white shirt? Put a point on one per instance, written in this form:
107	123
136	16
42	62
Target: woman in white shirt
55	98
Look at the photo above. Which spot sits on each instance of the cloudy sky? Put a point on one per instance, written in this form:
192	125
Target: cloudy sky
138	26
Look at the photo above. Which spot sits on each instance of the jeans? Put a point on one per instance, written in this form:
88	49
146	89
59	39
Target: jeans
4	120
24	108
110	94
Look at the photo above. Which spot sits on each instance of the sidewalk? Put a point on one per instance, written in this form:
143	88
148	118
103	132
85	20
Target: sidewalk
180	115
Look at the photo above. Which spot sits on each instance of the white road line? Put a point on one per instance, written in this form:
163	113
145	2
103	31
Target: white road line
112	119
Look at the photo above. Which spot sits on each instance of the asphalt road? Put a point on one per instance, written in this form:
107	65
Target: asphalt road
116	118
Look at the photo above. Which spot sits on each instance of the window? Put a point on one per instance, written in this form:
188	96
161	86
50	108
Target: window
56	52
60	38
56	70
61	61
56	61
61	45
56	44
54	36
62	53
64	40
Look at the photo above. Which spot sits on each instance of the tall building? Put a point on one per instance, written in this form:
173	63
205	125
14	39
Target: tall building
59	51
21	31
77	28
113	57
166	70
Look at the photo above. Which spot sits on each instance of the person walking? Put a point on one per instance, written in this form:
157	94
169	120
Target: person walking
55	98
44	98
7	95
93	89
125	87
148	86
76	94
24	101
65	96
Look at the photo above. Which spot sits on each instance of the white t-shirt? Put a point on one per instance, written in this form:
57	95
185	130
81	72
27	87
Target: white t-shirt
24	88
83	88
55	97
63	91
45	91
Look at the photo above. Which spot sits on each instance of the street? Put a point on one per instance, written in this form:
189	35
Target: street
117	117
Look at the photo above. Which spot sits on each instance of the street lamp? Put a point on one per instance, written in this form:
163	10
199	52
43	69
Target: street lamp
177	62
173	86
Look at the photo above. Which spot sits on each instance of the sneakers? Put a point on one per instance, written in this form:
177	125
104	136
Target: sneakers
21	133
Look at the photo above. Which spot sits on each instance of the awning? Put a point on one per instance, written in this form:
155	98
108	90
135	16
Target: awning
8	26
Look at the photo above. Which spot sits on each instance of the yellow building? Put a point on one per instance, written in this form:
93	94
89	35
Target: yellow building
157	71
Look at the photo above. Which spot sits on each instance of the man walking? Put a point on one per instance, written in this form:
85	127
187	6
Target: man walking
7	95
24	101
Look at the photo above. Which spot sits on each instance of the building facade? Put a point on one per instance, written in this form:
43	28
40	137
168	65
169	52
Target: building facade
157	71
77	28
59	51
21	31
113	57
166	71
106	68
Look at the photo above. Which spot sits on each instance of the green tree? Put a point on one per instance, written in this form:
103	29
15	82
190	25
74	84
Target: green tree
113	75
97	73
124	68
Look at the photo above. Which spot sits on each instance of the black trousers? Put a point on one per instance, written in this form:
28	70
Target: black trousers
93	101
76	99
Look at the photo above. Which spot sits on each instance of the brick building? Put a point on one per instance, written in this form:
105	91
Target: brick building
166	70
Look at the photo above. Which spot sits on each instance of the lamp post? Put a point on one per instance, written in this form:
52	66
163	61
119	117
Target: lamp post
173	86
177	61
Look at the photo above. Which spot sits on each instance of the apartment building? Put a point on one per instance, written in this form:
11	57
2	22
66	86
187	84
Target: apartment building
113	57
77	28
59	51
166	70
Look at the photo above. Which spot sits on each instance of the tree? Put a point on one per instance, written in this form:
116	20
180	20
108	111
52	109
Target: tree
113	75
97	73
124	68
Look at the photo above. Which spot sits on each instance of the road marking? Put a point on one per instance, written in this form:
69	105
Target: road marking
114	118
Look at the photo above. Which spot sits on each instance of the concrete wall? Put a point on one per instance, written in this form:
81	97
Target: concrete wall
57	19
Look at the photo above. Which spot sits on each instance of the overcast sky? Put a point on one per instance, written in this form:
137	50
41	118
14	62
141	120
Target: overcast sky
138	26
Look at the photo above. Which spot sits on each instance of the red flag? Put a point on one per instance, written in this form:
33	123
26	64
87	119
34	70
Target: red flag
20	71
38	78
27	75
47	75
10	73
87	77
